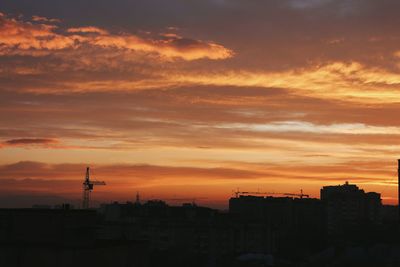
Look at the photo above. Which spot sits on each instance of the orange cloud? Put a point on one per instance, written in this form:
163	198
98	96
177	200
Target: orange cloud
27	38
351	82
170	46
89	29
18	37
44	19
338	81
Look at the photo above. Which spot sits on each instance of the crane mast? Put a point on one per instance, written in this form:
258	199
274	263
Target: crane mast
88	186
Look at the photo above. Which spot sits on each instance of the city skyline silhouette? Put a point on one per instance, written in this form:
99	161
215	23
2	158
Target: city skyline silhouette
202	133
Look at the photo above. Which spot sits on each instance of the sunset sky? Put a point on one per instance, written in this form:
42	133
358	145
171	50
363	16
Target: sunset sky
183	99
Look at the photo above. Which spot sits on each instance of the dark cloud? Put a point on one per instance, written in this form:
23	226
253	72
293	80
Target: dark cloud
30	141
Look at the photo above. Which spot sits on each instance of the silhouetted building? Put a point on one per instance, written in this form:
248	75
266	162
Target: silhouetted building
348	208
287	223
61	237
257	231
188	232
390	214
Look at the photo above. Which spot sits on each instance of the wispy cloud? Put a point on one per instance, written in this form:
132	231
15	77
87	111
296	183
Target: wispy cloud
45	20
30	141
340	81
307	127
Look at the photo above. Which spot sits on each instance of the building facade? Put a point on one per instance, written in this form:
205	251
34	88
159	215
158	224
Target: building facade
348	208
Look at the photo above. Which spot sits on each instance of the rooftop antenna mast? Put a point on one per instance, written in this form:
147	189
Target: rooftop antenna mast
88	186
137	198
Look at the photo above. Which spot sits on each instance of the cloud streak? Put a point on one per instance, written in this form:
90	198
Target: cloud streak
337	81
28	141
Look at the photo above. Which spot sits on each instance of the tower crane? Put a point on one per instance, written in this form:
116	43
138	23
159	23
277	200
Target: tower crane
301	195
88	186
